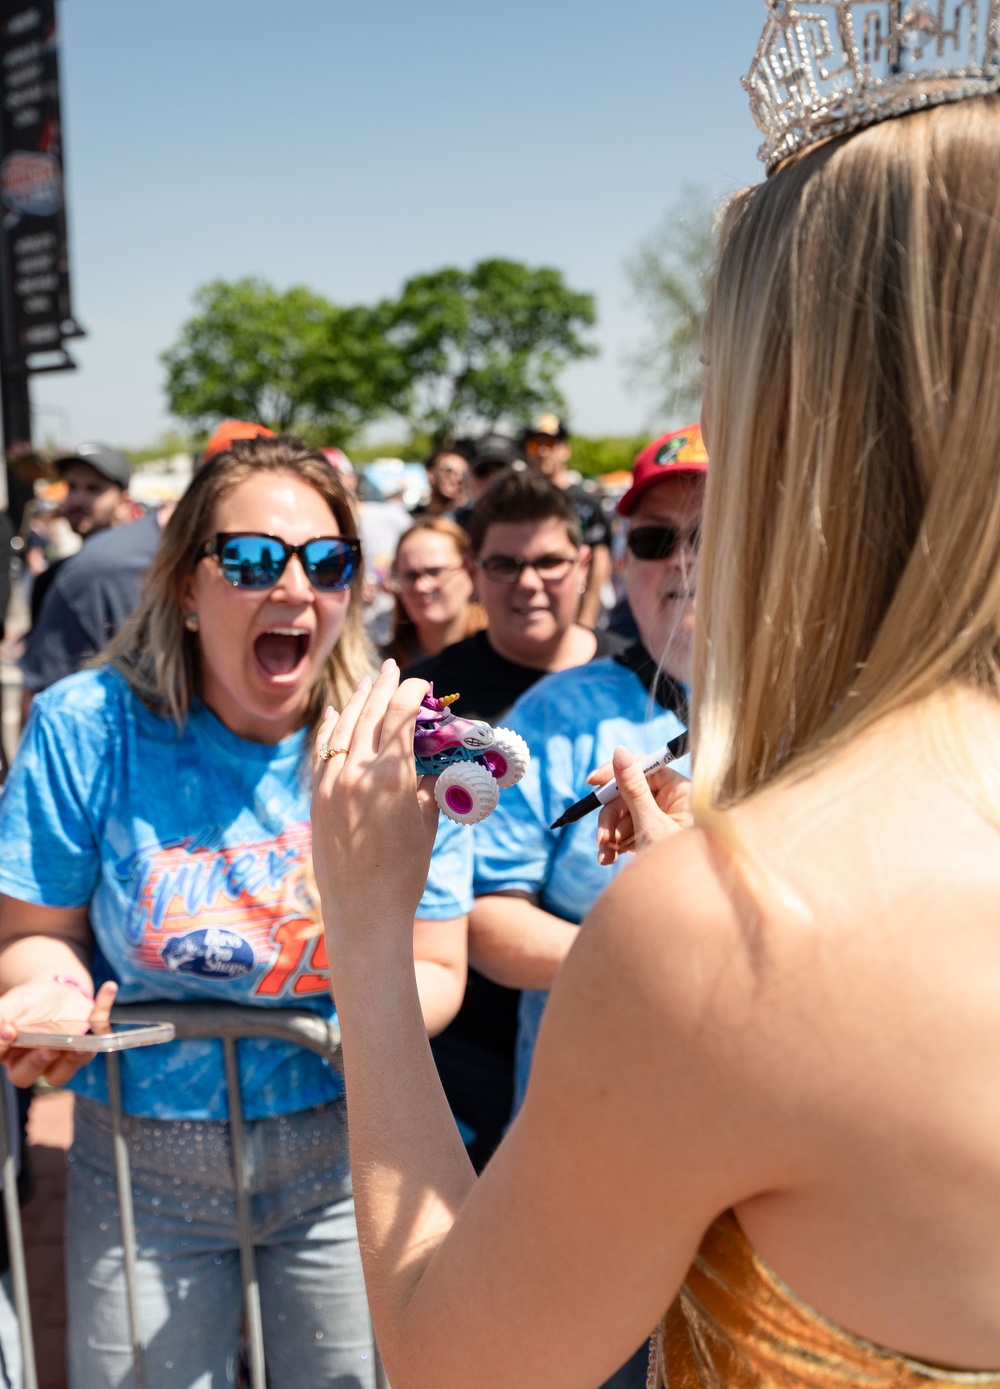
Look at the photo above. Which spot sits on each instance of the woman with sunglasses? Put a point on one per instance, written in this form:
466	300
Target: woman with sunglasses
432	580
157	844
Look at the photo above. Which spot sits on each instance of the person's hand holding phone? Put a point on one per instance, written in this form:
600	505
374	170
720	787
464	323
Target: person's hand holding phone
37	1005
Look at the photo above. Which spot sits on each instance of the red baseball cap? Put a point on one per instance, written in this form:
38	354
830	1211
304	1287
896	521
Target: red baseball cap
683	451
231	430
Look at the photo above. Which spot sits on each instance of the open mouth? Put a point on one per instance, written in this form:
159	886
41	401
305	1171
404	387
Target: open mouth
281	650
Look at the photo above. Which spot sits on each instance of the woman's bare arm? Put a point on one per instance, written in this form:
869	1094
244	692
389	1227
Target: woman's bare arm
40	949
440	963
551	1270
517	943
42	941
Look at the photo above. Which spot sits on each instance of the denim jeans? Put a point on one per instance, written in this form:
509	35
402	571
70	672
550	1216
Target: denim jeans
316	1324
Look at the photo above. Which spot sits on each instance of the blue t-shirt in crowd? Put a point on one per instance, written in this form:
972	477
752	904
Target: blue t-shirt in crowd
572	722
448	893
192	850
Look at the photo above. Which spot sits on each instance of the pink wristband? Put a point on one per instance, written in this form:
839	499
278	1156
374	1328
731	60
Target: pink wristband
73	984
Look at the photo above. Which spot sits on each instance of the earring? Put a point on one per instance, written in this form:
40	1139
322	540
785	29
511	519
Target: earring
581	589
191	622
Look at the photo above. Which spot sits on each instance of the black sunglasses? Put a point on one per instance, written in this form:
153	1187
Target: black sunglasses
660	542
251	559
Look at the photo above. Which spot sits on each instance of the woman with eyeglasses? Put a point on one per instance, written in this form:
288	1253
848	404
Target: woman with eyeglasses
534	883
435	600
157	845
531	571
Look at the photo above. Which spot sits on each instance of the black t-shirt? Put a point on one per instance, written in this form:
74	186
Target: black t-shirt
593	522
486	681
475	1053
92	594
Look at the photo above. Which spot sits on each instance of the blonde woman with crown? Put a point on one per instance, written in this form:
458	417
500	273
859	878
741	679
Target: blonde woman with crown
765	1109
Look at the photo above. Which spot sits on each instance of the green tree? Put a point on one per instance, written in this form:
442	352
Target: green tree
670	274
287	358
486	346
606	454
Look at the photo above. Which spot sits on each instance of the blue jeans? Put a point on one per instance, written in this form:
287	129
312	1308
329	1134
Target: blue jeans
316	1324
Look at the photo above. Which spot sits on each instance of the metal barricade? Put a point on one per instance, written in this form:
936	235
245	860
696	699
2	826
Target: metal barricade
228	1024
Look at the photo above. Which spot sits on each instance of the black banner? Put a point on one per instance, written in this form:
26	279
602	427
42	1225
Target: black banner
34	259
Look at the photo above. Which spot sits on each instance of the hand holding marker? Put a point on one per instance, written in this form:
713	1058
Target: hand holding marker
677	747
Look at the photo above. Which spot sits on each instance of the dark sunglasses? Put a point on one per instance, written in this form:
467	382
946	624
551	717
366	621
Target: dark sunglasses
660	542
253	560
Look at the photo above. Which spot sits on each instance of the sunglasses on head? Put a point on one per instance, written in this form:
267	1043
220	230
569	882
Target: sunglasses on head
660	542
251	559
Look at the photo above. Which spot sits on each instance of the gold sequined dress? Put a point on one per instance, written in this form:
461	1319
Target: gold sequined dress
735	1325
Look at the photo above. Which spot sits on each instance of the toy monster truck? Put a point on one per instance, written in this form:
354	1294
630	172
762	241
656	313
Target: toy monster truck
473	762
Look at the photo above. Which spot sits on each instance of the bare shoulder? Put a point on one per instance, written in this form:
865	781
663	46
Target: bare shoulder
679	925
666	1006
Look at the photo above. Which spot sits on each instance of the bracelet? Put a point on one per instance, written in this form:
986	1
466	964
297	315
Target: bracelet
73	984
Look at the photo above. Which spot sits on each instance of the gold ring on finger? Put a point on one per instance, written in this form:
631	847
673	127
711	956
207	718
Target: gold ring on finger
325	752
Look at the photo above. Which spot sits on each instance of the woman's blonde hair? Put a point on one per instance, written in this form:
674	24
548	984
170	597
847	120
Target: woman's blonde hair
156	654
851	555
404	644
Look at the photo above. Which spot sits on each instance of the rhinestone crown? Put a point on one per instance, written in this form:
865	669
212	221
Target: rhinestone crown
826	68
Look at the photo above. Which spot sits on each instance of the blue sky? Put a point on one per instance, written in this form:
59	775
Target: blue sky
347	146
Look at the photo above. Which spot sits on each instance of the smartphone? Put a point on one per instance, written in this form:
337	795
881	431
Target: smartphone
71	1034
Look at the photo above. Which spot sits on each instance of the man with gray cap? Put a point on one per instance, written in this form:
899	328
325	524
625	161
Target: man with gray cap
97	479
90	594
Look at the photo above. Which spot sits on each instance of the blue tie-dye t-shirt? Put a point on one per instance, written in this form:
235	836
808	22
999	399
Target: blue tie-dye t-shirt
572	722
191	849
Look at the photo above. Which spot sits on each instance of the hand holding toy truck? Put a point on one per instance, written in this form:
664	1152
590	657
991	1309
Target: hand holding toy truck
472	761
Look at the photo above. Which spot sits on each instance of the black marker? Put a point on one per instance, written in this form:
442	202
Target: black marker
606	794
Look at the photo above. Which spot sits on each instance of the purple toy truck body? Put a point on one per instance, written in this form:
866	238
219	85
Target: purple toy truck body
440	732
442	741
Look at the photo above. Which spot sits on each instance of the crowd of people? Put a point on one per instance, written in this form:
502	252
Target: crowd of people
718	1063
158	828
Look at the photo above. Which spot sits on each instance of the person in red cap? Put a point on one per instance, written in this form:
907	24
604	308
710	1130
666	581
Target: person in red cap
229	430
666	495
680	454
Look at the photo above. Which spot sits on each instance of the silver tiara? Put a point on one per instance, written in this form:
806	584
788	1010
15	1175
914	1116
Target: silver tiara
824	69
